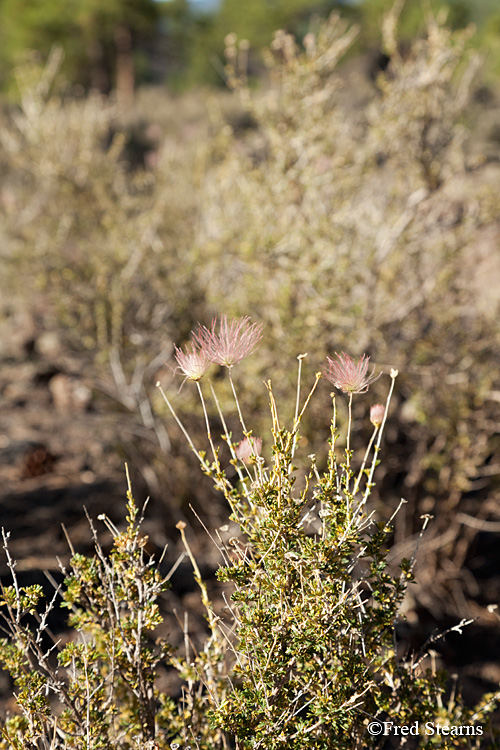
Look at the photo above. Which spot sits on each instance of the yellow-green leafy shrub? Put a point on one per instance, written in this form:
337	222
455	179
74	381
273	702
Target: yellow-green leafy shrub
306	653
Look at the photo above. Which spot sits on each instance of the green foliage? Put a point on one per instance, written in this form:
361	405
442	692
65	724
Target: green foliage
103	679
190	43
459	13
344	221
481	14
85	29
307	655
315	602
254	21
258	20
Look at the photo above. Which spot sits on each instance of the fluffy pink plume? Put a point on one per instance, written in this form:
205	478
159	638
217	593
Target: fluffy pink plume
347	375
194	363
228	342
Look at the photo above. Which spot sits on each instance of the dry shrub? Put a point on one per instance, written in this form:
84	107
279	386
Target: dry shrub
103	243
94	242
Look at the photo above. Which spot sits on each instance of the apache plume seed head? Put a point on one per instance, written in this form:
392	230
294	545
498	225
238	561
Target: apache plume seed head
228	342
194	363
347	375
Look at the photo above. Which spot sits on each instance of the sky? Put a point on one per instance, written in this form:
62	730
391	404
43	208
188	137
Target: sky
205	4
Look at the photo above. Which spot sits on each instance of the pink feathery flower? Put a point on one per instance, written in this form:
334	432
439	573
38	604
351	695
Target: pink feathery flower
377	412
248	449
349	376
232	342
194	363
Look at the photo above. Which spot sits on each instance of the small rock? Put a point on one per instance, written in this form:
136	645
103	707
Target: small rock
48	344
69	393
30	458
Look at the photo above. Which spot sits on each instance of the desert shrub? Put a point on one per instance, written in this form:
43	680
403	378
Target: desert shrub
315	609
348	218
98	688
350	225
99	240
306	653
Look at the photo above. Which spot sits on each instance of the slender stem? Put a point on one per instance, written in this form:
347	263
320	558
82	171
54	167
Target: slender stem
12	565
379	439
276	473
365	459
333	428
348	445
401	503
306	403
207	424
297	401
258	473
212	620
426	520
298	417
242	421
200	458
274	408
348	448
230	444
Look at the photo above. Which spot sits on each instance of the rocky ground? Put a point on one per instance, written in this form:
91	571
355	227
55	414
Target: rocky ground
62	456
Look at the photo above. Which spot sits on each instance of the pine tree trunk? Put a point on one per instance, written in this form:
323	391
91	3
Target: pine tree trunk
125	77
98	76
